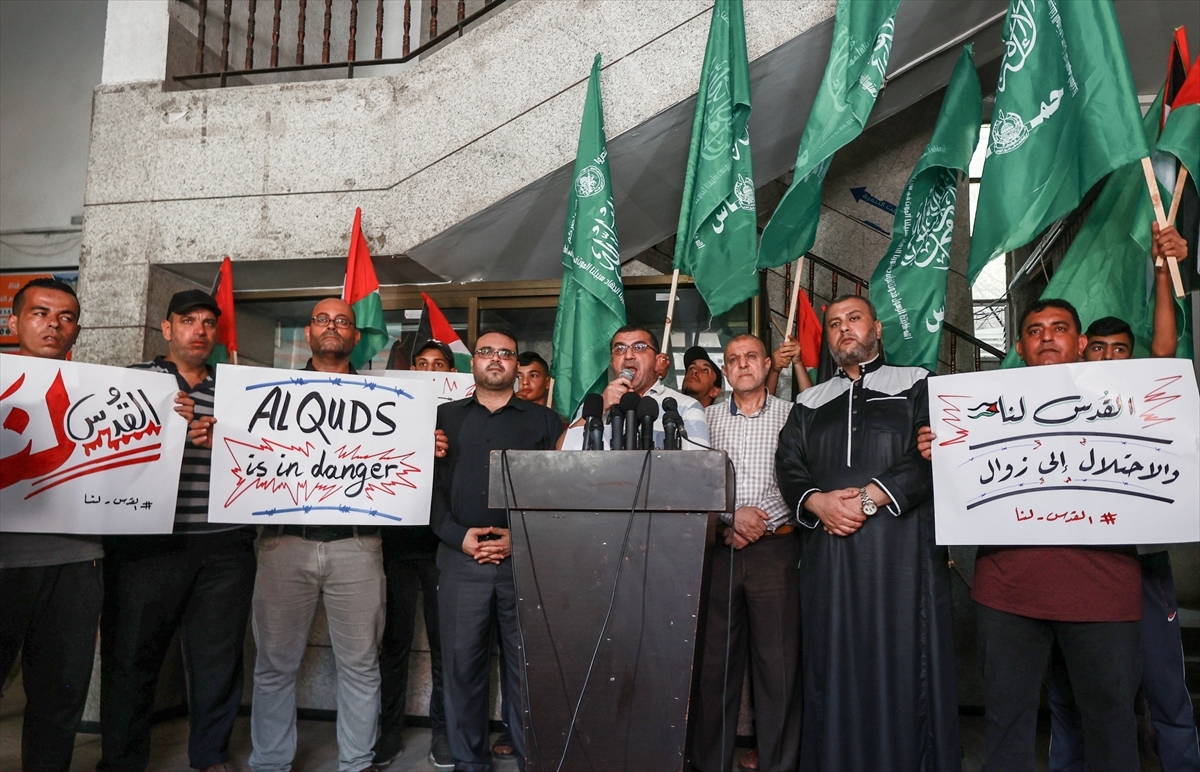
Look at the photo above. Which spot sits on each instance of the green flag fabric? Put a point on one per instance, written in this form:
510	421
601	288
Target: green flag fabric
1104	271
908	287
1066	114
718	226
858	61
591	305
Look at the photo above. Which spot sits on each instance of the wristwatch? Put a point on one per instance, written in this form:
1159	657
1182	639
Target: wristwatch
868	506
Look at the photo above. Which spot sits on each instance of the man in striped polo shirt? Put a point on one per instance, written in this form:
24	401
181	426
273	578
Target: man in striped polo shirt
199	579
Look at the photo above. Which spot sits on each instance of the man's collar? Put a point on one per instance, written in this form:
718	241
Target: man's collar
870	366
310	368
733	410
656	388
514	402
173	368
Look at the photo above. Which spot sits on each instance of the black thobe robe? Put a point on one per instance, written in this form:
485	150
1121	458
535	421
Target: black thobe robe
877	646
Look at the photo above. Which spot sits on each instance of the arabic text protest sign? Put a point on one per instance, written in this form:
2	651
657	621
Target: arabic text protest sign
310	448
447	386
1089	453
87	448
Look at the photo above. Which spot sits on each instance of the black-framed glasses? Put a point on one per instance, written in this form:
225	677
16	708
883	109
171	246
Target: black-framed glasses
487	352
324	320
640	347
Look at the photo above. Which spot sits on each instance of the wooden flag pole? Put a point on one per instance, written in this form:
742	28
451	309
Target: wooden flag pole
233	357
1179	181
666	338
550	395
1161	217
791	319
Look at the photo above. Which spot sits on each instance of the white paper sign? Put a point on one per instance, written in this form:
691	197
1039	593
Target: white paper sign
1088	453
87	449
448	386
308	448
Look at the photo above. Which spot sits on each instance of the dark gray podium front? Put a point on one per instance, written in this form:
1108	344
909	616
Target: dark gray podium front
570	512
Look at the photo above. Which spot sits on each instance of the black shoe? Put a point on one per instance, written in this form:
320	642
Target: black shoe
440	755
387	749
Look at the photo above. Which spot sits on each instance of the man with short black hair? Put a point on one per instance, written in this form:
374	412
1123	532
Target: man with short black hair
755	599
433	355
198	579
476	587
635	351
1087	600
702	378
51	585
533	378
875	606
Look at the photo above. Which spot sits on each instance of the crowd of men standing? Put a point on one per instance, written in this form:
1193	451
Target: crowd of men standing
827	585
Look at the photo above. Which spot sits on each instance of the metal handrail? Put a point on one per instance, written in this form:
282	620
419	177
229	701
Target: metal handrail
861	285
350	64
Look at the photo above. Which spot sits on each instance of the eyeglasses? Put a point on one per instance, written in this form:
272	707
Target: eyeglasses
487	352
324	320
638	348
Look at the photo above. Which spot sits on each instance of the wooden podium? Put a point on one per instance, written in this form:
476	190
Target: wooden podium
569	513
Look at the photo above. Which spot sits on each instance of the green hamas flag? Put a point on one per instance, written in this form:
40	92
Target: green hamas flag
1104	271
718	226
591	305
1066	115
908	287
858	60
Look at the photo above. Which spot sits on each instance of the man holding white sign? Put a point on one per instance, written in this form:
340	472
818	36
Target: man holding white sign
877	651
1088	600
51	585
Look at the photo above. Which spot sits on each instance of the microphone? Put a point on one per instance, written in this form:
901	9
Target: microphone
627	374
593	426
647	414
629	407
672	423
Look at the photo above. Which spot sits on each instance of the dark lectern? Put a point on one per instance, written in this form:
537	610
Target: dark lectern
569	513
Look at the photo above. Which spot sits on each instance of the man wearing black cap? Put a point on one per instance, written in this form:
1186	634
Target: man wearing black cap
434	355
198	579
702	378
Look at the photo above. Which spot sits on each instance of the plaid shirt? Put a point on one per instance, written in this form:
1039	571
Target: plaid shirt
750	441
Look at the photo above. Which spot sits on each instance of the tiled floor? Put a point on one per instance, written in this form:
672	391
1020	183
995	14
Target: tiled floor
317	745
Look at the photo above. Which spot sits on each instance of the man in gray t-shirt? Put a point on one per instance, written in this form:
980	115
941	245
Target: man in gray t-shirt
51	585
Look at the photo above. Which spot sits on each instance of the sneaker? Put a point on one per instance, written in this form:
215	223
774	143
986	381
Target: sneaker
440	755
387	749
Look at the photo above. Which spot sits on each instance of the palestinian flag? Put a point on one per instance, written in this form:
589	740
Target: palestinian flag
434	326
808	332
362	293
226	348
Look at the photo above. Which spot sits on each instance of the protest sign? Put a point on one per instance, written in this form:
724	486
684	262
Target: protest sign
87	448
311	448
1088	453
447	386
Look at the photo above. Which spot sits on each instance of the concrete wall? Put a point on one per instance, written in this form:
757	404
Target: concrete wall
50	60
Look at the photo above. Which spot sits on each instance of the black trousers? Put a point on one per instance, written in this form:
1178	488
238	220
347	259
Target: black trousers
48	614
1103	662
405	575
764	628
200	583
470	597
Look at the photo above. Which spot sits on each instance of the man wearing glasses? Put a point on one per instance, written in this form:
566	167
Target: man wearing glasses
297	564
634	356
475	584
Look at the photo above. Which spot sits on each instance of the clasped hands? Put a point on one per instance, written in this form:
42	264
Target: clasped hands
840	511
487	550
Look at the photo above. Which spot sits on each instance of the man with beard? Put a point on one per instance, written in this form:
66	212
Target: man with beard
198	579
878	657
476	587
297	565
51	585
635	359
702	378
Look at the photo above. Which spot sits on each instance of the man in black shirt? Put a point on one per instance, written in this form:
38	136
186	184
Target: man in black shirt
476	577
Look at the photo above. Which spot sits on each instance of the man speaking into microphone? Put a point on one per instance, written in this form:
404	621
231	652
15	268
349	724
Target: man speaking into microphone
634	350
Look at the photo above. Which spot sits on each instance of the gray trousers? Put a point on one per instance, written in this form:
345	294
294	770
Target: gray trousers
470	596
764	632
292	574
